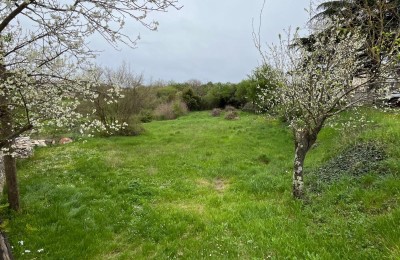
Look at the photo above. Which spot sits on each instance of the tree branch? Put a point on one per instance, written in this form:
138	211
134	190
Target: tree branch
14	135
13	14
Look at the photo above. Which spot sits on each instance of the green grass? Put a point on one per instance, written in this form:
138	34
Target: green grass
204	187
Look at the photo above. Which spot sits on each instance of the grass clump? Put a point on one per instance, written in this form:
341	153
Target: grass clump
264	159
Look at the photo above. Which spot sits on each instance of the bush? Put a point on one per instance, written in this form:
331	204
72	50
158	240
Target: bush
164	112
145	116
132	129
221	95
179	108
216	112
172	110
192	100
231	115
167	94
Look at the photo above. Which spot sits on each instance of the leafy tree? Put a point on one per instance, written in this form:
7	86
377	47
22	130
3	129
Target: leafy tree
221	95
117	117
43	49
192	100
266	82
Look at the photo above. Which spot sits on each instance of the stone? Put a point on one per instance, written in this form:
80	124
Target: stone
65	140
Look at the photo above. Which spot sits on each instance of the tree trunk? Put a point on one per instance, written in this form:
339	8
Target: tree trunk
298	182
10	170
5	249
10	167
303	141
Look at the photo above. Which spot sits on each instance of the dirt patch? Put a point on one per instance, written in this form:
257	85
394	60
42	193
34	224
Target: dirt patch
203	183
217	184
220	185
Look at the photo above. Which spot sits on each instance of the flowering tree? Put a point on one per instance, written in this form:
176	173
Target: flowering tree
316	82
116	116
43	49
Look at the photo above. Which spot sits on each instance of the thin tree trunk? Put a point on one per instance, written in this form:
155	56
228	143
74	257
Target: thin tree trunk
298	182
10	170
303	143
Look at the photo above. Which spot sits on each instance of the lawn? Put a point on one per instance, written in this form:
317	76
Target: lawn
205	187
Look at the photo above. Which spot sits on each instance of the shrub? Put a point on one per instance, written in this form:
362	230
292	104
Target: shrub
167	94
172	110
216	112
231	115
164	112
179	108
132	129
145	116
192	100
220	95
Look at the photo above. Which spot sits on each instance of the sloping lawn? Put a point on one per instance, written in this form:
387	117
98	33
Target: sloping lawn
204	187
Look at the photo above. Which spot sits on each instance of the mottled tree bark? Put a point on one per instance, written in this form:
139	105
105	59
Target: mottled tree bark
304	139
298	182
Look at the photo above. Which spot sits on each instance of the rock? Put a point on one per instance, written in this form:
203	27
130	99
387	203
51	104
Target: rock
65	140
50	141
23	147
39	143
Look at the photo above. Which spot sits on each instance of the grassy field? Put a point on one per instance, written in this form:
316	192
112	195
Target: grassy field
204	187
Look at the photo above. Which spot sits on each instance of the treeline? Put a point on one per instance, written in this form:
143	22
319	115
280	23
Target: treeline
121	113
205	96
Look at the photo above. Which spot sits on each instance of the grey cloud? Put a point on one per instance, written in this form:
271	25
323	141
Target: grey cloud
207	40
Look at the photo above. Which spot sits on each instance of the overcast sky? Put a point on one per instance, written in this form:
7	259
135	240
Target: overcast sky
207	40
